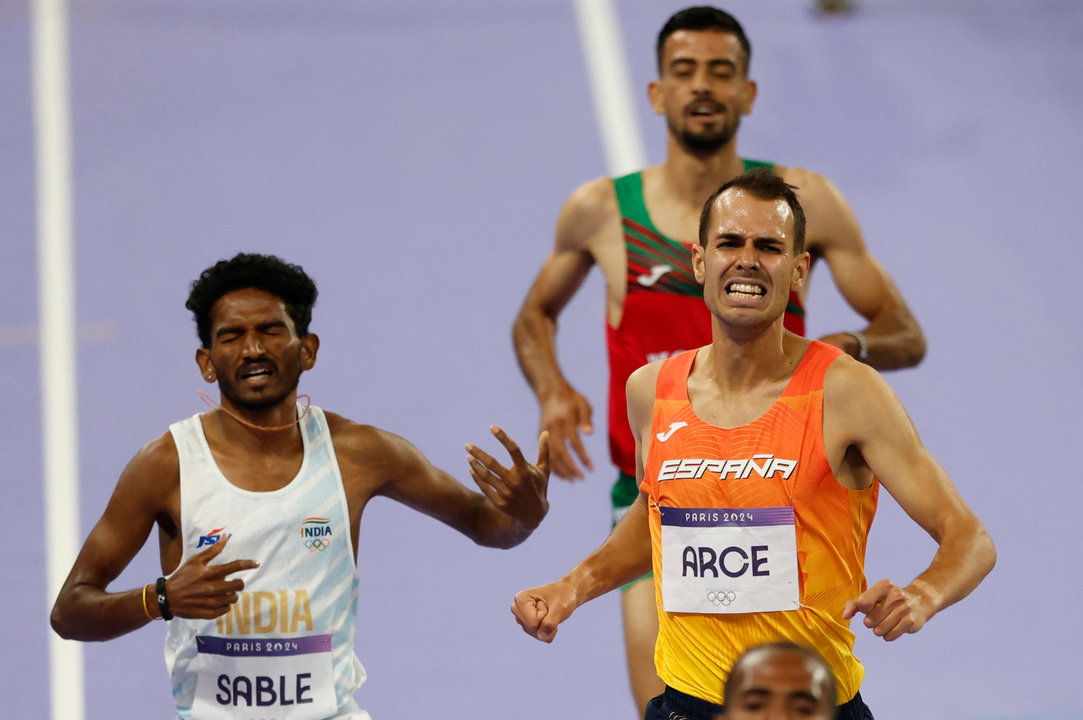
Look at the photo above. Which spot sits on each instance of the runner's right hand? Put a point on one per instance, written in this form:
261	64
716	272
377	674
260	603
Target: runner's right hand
565	414
200	590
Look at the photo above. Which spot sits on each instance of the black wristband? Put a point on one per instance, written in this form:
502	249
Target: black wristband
163	601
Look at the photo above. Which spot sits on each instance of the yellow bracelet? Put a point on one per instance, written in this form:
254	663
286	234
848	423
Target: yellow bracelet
143	595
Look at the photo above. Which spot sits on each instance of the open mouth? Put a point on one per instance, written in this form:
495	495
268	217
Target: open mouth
256	373
745	290
705	109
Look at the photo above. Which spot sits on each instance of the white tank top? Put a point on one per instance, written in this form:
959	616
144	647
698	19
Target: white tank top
285	649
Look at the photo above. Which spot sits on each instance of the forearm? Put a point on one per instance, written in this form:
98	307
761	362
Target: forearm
84	612
894	341
625	556
964	558
534	337
490	527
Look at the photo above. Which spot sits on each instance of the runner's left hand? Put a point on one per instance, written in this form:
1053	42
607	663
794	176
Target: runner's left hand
518	491
891	611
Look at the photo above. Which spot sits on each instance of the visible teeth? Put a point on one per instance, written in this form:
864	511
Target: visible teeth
745	289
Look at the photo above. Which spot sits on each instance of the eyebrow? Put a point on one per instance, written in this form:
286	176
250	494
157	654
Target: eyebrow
228	329
713	62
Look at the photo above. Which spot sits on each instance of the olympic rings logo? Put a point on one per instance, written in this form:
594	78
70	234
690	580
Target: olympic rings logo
722	597
318	544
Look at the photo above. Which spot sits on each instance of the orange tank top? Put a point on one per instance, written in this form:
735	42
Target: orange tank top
776	461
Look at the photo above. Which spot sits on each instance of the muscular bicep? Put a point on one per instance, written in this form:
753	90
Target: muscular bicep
557	282
408	477
142	496
863	412
581	229
639	392
835	235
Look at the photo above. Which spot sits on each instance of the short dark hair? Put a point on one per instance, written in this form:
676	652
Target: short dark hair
703	17
783	646
763	184
271	274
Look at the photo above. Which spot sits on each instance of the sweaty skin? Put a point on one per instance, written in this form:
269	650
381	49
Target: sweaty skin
256	356
867	432
703	91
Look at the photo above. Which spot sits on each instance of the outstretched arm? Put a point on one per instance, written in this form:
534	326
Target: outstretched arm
565	413
867	416
624	556
85	610
893	337
512	501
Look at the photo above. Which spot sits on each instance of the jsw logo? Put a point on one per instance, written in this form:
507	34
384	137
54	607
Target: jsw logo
211	538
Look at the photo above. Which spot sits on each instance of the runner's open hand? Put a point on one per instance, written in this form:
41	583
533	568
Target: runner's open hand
518	491
564	415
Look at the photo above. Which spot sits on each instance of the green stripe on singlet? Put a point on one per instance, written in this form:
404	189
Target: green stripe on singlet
630	195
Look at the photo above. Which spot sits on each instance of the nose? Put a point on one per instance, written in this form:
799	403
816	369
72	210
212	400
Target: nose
701	82
253	345
748	258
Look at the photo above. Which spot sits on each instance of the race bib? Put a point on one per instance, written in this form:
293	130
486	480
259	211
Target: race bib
726	560
264	679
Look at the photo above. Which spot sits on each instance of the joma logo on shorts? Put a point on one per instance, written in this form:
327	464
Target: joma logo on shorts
764	466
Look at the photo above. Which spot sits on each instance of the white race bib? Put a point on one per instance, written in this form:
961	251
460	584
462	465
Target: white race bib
264	679
729	560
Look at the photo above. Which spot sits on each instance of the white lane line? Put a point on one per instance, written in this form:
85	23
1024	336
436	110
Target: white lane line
56	298
611	86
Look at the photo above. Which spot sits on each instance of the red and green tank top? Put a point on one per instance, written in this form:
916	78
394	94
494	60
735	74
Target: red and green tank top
664	313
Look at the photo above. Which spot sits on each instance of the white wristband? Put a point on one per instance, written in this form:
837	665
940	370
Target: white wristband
862	345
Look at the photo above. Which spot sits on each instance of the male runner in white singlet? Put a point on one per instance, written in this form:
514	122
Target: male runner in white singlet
258	506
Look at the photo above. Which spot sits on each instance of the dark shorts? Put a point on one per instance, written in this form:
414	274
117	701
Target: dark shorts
675	705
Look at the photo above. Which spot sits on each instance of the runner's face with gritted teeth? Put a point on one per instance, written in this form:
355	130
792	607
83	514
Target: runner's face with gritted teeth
703	89
255	354
747	265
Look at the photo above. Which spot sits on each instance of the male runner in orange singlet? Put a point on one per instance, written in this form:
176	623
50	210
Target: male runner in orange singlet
759	458
639	230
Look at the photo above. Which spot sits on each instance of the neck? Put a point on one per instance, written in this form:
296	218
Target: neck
697	175
270	421
742	358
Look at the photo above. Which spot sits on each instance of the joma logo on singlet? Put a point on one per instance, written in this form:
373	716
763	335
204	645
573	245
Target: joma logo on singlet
764	466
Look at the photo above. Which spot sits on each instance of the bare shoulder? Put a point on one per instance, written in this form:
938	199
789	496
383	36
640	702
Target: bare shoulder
151	480
157	459
360	444
587	214
644	378
831	222
640	390
858	399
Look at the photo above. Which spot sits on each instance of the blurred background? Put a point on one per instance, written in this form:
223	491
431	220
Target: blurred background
412	156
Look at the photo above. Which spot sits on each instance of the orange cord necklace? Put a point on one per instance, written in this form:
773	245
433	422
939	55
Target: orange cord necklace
210	402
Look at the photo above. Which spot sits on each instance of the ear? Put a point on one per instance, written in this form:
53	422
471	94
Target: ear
206	367
654	97
750	97
801	265
698	268
310	345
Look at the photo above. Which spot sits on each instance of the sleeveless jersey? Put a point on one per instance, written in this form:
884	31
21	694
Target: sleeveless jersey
290	635
663	313
695	651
